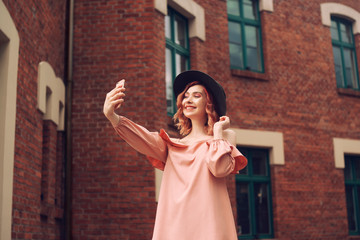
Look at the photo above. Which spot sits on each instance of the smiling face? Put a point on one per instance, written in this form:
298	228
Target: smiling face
194	102
197	106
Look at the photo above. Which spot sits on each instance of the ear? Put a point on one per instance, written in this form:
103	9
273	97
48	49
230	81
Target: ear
230	135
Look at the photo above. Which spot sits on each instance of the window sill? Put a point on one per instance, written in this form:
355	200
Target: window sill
355	237
349	92
250	74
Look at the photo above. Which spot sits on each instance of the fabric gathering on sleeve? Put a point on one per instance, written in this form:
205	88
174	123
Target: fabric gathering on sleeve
148	143
224	158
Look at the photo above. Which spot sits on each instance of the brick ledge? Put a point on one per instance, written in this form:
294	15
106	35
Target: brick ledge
249	74
349	92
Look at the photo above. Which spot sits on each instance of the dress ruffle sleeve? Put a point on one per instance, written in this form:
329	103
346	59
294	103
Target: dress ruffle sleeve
224	158
148	143
156	162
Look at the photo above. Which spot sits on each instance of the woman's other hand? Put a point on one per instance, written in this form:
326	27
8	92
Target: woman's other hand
220	126
223	123
113	101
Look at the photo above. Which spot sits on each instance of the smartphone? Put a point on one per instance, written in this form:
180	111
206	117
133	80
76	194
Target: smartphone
121	83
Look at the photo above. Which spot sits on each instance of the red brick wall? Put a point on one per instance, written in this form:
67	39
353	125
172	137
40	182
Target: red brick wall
41	28
113	190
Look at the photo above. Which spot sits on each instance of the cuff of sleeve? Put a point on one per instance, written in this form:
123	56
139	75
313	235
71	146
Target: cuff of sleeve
156	163
240	163
120	122
240	160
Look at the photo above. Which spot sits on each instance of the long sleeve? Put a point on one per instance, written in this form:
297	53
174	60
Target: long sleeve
223	158
143	141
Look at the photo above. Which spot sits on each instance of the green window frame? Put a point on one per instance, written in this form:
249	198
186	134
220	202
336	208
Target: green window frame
253	196
352	190
177	53
245	41
345	59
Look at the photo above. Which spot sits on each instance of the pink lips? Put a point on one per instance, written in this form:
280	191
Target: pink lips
188	107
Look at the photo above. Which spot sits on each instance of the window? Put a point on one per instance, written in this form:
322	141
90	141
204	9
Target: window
352	189
177	53
344	54
245	35
253	196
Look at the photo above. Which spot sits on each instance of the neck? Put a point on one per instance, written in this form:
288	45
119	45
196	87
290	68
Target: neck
197	128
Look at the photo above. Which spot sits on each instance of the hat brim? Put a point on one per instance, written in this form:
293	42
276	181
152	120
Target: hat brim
212	86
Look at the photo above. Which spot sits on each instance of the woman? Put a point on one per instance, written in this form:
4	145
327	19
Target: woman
193	201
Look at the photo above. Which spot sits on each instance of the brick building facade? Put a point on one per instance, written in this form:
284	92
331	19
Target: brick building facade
32	199
297	122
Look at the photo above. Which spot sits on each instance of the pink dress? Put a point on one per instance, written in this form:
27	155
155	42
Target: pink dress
193	203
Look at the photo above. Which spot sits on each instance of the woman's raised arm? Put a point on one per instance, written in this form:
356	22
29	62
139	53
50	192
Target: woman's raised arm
138	137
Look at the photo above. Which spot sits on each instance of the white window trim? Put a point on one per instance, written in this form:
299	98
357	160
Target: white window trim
8	74
189	9
158	178
51	105
264	139
344	146
266	5
338	9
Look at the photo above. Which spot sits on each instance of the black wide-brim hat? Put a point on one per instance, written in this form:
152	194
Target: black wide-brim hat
212	86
